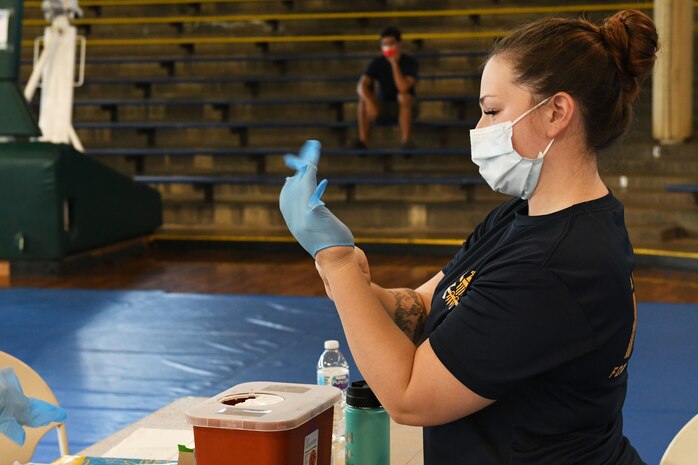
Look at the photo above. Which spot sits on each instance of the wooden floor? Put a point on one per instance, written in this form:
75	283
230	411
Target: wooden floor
253	272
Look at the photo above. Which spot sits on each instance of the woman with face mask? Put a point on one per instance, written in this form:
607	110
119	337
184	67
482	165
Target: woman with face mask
516	352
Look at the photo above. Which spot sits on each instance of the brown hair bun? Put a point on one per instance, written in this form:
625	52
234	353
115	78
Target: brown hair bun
632	42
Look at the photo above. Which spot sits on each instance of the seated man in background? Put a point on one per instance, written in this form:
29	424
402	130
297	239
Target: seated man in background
396	75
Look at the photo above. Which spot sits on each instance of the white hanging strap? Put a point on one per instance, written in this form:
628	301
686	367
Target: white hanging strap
75	140
44	59
529	111
547	148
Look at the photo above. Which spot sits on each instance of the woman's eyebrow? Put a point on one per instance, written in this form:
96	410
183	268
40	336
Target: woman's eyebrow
482	99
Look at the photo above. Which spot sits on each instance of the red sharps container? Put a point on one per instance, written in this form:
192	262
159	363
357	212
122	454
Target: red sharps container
265	423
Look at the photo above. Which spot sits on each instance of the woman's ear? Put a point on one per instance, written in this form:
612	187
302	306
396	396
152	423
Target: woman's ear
562	110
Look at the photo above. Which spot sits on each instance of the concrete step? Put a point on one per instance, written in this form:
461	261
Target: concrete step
199	137
445	219
423	137
280	48
683	244
665	166
659	199
226	28
255	215
427	110
644	236
648	182
648	225
264	90
336	196
641	238
641	207
269	29
313	67
272	48
338	67
663	218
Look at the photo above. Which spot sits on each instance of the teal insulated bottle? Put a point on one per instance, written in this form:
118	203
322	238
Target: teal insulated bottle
367	427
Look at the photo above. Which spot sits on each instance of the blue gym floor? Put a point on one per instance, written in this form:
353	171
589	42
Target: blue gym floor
112	357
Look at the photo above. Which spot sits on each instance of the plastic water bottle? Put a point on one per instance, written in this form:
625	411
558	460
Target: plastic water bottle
333	370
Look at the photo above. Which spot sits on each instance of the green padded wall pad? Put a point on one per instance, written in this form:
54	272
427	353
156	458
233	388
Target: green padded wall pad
55	201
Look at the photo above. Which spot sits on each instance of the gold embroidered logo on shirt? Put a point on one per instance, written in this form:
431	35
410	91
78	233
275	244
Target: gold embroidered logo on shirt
454	292
618	370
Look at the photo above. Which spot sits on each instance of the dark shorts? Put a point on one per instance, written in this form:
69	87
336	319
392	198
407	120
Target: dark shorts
389	111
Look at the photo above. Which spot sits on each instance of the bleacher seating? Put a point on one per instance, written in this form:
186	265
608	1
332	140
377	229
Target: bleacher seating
261	154
348	182
223	102
253	83
242	127
280	61
204	109
382	13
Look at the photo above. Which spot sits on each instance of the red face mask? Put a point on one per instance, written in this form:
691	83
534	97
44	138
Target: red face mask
389	51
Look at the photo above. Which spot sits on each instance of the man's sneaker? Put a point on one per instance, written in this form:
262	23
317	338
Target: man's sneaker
358	145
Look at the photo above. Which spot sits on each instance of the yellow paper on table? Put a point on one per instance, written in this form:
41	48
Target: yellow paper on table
80	460
70	460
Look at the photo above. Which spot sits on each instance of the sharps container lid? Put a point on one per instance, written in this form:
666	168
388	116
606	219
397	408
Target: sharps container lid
264	406
361	396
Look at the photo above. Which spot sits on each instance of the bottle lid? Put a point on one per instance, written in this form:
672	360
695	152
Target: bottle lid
331	345
359	394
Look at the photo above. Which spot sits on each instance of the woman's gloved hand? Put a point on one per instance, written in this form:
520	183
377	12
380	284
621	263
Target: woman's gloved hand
16	409
310	222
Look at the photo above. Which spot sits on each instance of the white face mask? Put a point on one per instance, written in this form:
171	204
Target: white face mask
500	164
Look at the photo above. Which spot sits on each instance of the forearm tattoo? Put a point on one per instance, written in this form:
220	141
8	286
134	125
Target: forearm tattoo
410	313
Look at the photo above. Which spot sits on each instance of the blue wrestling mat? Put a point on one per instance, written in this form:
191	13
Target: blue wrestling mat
112	357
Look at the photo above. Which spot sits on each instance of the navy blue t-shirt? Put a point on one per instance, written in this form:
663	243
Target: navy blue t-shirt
539	314
381	71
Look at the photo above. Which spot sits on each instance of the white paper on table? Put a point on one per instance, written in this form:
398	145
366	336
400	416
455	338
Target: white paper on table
153	444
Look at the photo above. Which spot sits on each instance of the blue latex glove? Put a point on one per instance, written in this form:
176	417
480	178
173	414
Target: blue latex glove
16	409
310	222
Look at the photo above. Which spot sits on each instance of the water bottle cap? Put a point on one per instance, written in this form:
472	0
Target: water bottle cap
360	395
331	345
